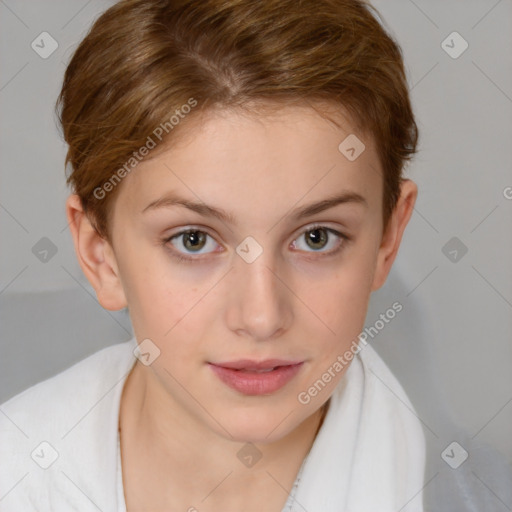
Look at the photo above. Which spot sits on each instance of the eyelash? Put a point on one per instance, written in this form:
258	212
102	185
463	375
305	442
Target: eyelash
192	259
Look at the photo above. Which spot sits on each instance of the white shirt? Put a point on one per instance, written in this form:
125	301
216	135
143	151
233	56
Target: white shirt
59	443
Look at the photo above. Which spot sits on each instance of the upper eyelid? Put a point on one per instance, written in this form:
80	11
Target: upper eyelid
309	227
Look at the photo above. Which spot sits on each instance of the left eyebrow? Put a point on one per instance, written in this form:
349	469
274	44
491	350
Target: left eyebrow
205	210
325	204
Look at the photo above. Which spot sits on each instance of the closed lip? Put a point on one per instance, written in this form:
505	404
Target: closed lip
251	365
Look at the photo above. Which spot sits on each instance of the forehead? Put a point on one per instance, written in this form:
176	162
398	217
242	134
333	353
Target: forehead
246	160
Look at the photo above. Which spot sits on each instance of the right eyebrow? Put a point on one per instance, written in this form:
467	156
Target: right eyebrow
170	199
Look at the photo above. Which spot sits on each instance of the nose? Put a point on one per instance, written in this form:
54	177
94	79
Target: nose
259	302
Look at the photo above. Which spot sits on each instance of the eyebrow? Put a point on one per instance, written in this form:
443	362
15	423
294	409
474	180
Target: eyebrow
205	210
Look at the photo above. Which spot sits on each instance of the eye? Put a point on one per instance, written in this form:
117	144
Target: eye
191	241
317	238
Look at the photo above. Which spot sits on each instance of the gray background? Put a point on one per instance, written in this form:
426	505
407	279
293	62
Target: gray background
450	347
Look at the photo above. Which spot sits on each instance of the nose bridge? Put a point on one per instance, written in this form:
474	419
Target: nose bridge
258	303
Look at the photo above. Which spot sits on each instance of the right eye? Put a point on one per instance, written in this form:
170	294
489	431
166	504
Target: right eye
189	242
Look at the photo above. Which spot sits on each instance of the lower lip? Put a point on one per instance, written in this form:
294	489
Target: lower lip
251	383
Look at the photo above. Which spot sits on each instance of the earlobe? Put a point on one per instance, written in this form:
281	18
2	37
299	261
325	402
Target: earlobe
95	256
392	238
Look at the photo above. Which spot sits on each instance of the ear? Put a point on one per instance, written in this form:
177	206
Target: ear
95	256
393	236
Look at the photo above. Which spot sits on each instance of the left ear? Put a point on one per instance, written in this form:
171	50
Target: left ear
393	236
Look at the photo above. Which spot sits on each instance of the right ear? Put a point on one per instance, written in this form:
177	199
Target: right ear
95	256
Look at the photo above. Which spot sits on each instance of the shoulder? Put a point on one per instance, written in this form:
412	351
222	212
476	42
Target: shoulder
53	434
382	384
370	451
379	375
72	386
398	434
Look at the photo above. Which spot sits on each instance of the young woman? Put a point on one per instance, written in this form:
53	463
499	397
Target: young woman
237	185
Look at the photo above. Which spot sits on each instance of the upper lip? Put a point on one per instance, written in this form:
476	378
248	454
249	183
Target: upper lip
248	364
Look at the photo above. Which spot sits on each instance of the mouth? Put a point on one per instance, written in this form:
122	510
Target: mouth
256	378
254	370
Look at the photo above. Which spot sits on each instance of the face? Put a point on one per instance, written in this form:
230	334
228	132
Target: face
254	239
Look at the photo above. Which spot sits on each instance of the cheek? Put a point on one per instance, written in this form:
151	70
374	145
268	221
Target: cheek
169	308
155	302
157	309
342	307
341	301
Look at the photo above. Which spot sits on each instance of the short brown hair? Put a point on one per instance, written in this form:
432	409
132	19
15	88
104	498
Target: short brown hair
143	59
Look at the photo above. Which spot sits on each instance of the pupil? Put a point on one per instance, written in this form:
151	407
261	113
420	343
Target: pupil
317	236
196	238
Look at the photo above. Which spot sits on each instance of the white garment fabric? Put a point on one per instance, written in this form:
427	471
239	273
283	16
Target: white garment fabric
59	442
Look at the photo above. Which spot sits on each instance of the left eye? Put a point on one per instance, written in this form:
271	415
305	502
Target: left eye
318	238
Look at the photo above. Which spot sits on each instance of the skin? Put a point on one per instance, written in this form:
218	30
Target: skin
181	426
